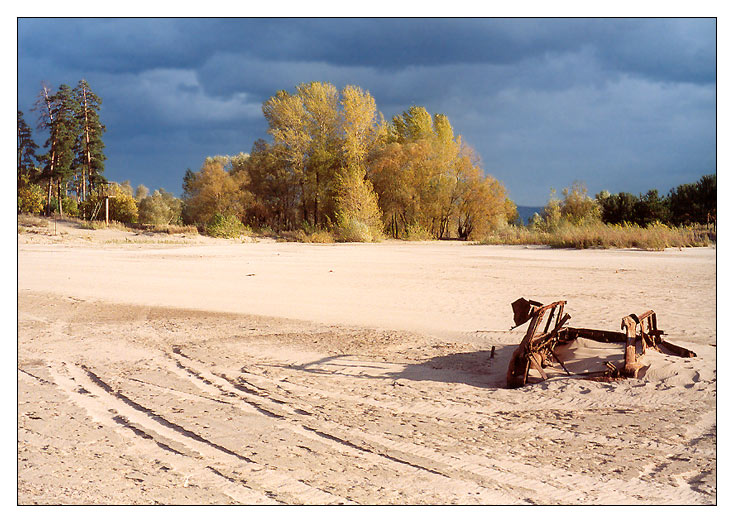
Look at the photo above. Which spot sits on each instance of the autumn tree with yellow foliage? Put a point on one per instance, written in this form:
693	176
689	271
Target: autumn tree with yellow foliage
216	189
335	164
429	181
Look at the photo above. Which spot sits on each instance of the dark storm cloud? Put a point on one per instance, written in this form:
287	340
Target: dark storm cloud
113	45
623	104
680	50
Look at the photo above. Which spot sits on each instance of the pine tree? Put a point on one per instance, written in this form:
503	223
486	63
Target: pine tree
65	130
43	106
26	152
57	116
88	146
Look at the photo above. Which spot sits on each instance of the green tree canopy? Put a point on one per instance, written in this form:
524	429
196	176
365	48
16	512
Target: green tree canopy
160	208
88	145
26	152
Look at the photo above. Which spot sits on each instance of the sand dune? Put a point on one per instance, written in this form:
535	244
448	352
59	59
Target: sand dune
266	373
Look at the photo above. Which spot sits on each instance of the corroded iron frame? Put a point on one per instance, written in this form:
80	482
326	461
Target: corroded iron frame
537	348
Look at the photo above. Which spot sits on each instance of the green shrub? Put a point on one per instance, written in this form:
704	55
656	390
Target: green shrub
122	206
416	232
69	206
31	199
221	226
160	208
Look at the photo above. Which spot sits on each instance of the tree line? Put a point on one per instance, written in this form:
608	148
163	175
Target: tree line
335	164
684	205
74	160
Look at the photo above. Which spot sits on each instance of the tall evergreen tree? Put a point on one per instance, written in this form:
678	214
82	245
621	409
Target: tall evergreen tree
57	116
44	106
26	152
65	128
89	158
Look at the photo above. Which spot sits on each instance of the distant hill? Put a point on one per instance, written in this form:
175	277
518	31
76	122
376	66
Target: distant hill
526	212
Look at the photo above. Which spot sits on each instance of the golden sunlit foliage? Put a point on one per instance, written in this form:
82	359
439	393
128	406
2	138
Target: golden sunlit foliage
30	198
335	165
428	180
214	190
576	208
122	205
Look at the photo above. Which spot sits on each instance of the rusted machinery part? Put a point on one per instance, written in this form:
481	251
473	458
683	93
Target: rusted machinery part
536	350
631	366
517	369
651	336
678	350
523	310
571	333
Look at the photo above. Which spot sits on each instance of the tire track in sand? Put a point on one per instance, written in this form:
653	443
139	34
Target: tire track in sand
87	396
250	483
556	485
504	402
354	442
515	488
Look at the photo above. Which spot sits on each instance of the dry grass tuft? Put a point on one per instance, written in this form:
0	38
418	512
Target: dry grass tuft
168	229
301	236
655	237
29	220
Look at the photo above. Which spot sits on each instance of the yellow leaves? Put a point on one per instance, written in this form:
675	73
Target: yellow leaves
483	205
359	123
321	113
358	213
286	117
216	191
434	182
421	174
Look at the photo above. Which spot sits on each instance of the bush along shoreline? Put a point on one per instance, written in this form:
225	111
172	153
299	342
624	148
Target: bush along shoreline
336	171
655	237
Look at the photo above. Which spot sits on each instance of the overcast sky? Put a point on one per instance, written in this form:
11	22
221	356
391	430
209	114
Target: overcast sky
620	104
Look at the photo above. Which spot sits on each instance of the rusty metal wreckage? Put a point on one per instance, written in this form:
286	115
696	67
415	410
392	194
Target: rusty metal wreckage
537	348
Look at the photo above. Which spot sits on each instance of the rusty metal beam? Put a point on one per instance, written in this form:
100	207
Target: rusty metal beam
536	350
630	351
678	350
595	334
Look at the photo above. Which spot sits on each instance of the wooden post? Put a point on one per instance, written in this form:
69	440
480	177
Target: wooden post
107	210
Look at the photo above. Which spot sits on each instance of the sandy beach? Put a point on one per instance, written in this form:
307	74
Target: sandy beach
157	369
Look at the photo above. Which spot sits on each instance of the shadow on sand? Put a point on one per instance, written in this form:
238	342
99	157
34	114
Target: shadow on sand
475	368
